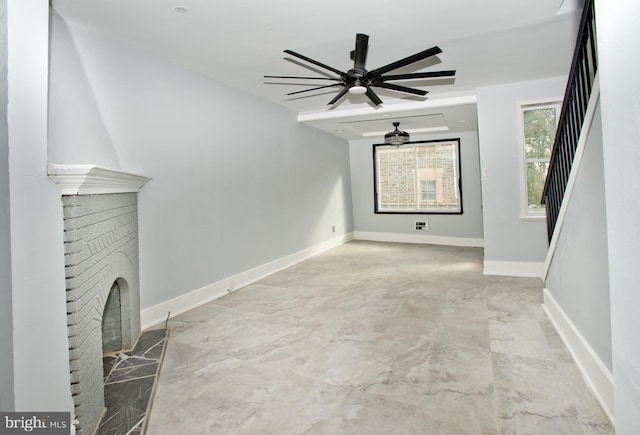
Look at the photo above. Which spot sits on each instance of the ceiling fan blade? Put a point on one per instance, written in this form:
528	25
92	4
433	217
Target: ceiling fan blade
314	89
409	60
304	78
422	75
373	97
401	88
315	62
362	45
337	97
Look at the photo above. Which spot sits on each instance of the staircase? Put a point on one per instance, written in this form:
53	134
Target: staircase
581	82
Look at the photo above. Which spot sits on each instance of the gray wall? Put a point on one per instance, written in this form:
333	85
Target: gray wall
467	225
578	278
618	36
6	317
507	237
237	182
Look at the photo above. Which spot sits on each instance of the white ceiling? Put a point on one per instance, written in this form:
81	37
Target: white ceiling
237	42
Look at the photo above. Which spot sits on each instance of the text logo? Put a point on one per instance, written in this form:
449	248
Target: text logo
40	423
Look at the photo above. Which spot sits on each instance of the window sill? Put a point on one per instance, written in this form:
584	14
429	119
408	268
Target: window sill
538	217
452	212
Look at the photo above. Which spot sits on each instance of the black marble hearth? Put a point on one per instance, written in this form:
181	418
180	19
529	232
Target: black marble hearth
129	381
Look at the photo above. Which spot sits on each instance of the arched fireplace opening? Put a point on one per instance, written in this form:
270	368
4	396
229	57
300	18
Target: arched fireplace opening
112	322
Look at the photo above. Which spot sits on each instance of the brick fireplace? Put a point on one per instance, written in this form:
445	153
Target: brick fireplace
100	208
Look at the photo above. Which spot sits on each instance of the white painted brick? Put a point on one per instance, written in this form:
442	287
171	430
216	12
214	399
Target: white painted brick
101	245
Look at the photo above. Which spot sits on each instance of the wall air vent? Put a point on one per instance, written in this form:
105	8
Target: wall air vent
421	225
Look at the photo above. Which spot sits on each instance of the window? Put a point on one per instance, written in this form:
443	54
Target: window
418	177
428	190
538	124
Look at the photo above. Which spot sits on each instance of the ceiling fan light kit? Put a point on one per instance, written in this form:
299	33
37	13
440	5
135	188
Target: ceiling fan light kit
358	90
358	80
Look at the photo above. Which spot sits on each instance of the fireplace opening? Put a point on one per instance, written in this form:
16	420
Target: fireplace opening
112	322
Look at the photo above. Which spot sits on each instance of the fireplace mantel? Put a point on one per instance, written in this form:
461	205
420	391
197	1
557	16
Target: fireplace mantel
93	179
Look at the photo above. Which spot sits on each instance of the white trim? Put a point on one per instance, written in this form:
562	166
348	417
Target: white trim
596	374
92	179
527	269
532	217
408	130
545	103
573	175
418	238
156	314
380	110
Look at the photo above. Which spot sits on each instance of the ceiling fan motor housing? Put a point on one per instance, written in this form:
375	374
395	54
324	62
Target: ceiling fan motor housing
356	77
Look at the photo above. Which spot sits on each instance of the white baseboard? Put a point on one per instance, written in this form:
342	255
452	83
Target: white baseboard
527	269
158	313
597	375
417	238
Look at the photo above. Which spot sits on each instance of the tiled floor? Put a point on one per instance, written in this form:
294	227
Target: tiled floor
374	338
129	380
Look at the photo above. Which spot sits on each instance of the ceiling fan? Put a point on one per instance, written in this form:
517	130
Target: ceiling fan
360	81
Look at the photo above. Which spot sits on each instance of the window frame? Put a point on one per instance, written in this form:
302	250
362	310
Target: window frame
458	169
522	106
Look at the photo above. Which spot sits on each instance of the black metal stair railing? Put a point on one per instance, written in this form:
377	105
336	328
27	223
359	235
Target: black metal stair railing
574	107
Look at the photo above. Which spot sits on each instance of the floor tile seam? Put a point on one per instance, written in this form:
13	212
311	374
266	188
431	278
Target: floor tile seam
495	399
531	358
133	367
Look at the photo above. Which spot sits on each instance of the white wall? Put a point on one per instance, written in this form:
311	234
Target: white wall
41	360
237	182
466	227
618	36
77	133
578	278
6	317
508	238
